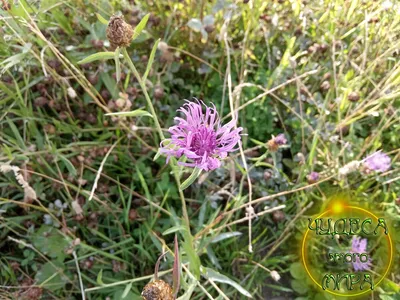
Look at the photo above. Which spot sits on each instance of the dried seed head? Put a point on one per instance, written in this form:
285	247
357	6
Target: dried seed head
354	96
40	101
267	175
209	28
158	92
325	86
157	290
278	216
327	76
119	33
133	214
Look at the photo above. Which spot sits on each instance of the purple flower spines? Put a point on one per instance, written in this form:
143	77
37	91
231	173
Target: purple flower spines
200	137
378	161
359	245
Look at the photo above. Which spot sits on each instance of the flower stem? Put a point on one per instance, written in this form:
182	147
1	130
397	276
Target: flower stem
159	129
144	89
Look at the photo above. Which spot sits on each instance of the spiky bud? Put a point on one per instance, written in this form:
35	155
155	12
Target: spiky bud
157	290
119	33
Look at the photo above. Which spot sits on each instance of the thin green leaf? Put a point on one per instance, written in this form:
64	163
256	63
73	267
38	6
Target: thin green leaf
151	59
117	65
101	19
196	173
19	140
176	269
174	229
188	294
135	113
110	84
353	6
69	165
99	279
218	277
158	154
126	290
97	56
193	257
139	28
224	236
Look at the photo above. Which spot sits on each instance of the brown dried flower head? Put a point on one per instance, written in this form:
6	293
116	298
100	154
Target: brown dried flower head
157	290
119	33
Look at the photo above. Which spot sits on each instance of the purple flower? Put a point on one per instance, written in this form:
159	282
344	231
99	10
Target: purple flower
280	139
200	137
313	177
276	141
377	161
359	245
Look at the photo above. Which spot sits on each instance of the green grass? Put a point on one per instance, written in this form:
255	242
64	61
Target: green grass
277	66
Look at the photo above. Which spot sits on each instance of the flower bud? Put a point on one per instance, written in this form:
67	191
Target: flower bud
353	97
119	33
313	177
325	86
274	143
157	290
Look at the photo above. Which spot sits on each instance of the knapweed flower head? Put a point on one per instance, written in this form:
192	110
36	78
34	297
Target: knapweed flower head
276	141
359	246
313	177
378	161
119	33
200	137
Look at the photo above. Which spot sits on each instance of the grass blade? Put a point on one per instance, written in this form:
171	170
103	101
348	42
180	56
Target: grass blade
135	113
151	59
101	19
196	173
97	56
139	28
117	65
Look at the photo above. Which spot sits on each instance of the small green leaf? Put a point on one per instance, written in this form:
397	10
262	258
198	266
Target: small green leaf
299	287
69	165
218	277
174	229
151	59
224	236
297	271
97	56
139	28
176	269
135	113
158	154
126	290
99	279
117	65
193	257
196	173
101	19
50	276
19	140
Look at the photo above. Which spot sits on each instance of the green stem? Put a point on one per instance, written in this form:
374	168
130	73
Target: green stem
144	89
159	129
